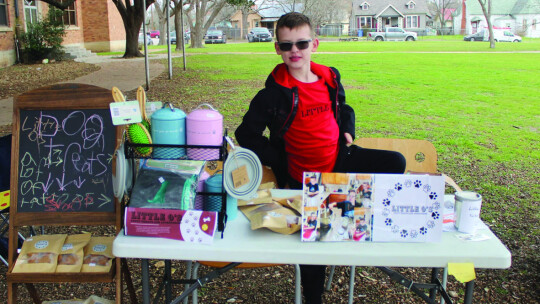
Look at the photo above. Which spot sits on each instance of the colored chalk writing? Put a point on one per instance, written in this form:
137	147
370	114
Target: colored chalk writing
65	161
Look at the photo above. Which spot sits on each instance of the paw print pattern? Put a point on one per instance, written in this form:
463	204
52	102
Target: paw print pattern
414	234
433	196
436	206
426	188
398	186
395	229
404	233
431	224
386	202
386	212
435	215
423	230
417	184
408	183
388	222
391	193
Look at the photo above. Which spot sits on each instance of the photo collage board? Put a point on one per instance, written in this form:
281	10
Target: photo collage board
372	207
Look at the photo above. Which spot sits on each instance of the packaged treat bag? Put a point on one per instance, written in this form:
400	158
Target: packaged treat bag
98	255
93	299
40	253
64	302
71	256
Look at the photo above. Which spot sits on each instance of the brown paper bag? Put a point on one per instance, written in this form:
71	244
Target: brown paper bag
272	216
40	253
71	256
98	255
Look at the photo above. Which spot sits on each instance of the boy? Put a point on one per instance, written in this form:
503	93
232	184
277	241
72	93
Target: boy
311	127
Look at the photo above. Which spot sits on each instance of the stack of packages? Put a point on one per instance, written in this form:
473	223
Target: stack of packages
91	300
65	253
163	197
281	215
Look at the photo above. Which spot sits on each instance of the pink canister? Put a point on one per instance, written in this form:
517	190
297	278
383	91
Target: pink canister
204	127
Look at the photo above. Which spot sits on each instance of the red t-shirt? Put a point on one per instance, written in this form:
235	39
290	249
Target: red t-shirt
311	142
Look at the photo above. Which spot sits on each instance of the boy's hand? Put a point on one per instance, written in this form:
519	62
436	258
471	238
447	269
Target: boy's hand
348	138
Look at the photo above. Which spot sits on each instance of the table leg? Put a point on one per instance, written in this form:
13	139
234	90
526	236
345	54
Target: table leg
469	286
168	281
433	291
188	277
444	281
351	284
145	281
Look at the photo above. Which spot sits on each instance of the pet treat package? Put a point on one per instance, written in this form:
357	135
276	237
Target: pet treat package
64	302
71	256
280	217
98	300
98	255
40	253
166	185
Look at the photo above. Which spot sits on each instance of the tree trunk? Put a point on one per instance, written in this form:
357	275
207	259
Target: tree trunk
178	29
132	13
487	14
245	25
132	37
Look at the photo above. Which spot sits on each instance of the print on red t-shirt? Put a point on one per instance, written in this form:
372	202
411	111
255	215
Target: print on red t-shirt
311	142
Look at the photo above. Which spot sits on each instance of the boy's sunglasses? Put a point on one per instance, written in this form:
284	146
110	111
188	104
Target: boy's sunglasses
287	46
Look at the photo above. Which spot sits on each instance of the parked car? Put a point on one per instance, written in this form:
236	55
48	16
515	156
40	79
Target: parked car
173	37
154	34
215	36
148	40
260	34
478	36
499	34
505	36
393	33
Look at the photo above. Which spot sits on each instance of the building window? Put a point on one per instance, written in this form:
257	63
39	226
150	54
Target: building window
411	5
533	25
413	21
3	13
364	6
69	17
30	11
364	22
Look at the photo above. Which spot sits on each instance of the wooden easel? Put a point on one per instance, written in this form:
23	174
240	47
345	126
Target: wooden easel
85	99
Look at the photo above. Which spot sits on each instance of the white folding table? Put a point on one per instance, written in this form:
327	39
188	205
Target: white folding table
241	244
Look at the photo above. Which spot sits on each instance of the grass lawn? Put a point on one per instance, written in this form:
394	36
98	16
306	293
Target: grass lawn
428	44
481	110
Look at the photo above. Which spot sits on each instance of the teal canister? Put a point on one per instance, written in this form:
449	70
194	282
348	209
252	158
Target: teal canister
214	184
169	127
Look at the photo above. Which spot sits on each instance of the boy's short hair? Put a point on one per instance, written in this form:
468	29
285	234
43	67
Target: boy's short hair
292	20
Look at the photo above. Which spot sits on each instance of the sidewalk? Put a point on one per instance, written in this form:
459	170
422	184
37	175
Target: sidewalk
126	74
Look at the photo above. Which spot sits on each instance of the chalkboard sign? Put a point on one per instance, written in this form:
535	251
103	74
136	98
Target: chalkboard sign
65	160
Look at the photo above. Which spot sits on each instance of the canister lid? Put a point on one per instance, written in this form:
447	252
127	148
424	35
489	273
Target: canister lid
468	196
204	114
168	113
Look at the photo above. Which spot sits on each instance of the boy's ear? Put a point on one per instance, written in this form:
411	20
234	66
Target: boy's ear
276	46
315	45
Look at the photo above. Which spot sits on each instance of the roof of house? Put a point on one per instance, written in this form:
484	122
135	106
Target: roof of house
376	7
506	7
276	11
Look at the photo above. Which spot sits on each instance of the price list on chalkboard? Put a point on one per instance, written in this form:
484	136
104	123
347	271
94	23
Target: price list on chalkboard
65	161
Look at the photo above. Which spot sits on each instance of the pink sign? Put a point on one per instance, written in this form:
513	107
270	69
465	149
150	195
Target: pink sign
192	226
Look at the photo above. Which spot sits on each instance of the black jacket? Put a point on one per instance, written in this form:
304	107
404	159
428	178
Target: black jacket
275	106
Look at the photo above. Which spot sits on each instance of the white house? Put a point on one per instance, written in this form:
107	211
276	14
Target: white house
521	16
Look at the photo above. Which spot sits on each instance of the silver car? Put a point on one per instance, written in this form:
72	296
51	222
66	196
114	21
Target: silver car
260	34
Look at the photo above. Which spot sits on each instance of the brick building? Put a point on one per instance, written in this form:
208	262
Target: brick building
92	24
